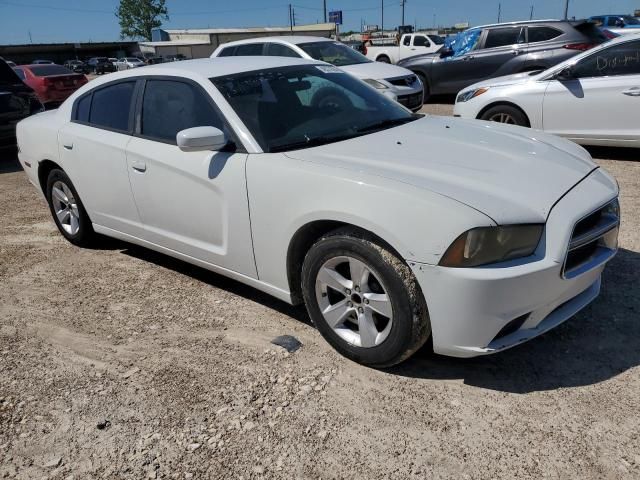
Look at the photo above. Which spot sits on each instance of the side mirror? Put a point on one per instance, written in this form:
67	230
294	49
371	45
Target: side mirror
446	52
199	139
565	74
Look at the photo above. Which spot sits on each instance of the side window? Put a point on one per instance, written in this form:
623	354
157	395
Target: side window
279	50
420	41
620	59
20	73
111	105
614	22
83	107
599	21
502	37
249	50
406	41
171	106
542	34
227	52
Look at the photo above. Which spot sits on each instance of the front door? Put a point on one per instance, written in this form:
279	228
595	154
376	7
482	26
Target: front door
194	203
602	101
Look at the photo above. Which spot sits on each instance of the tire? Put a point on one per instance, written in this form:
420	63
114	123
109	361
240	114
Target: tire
358	329
383	59
74	223
506	114
425	87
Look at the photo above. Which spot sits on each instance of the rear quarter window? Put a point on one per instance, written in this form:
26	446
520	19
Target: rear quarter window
543	34
227	52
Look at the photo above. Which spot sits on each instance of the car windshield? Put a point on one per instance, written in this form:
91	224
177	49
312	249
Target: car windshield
463	42
628	20
132	59
298	107
47	70
334	53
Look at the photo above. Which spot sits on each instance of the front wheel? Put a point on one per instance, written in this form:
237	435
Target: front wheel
363	299
67	209
506	114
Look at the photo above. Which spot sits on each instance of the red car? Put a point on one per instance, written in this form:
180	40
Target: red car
52	83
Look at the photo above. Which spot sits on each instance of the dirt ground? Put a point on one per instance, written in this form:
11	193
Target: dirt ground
122	363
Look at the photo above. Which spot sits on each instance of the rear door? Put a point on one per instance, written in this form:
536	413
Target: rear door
194	203
603	100
93	149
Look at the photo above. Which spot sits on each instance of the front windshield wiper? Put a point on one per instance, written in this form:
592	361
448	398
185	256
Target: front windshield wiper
311	142
384	124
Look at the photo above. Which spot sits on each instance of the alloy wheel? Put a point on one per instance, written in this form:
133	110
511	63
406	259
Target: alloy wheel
65	207
354	302
503	118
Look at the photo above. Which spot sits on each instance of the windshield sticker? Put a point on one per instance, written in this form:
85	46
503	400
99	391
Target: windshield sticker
328	69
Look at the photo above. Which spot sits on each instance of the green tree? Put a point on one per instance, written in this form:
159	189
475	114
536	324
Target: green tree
138	17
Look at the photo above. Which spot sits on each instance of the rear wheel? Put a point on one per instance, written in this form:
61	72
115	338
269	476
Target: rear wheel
363	299
67	209
506	114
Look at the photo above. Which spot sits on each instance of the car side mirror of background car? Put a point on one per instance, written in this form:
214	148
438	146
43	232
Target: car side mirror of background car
565	74
446	52
199	139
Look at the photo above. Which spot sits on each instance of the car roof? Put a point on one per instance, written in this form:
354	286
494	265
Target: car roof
528	22
290	39
214	67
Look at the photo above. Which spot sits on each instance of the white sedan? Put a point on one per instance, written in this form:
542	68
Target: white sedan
592	99
395	82
127	63
391	227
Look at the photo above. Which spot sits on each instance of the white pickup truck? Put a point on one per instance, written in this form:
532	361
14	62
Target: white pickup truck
411	44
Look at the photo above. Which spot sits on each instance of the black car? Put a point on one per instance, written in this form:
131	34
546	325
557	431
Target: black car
77	66
100	65
504	49
17	101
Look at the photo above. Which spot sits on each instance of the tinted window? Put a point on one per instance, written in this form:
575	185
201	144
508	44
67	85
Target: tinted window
226	52
621	59
169	107
406	41
501	37
437	39
8	74
46	70
279	50
421	42
335	53
599	21
542	34
82	109
614	21
249	50
111	105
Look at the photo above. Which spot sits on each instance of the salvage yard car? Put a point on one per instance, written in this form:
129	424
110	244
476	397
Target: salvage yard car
392	227
397	83
503	49
592	99
52	83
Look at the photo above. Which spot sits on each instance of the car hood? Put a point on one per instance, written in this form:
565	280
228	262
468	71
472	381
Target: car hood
511	174
376	70
423	59
507	80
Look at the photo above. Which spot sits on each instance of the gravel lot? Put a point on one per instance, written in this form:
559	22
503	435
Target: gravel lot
122	363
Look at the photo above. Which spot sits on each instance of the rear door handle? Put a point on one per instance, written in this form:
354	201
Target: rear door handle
67	147
632	92
139	166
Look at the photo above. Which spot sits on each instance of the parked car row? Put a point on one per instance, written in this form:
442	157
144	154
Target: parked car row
292	176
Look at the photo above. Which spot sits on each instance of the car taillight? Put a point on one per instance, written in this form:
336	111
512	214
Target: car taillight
579	46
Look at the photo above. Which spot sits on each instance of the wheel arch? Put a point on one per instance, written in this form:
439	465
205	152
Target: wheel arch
503	103
304	238
383	55
44	168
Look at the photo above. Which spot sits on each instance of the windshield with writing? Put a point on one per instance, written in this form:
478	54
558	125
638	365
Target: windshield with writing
304	106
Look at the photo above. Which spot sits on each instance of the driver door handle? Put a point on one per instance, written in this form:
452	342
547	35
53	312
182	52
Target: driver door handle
139	166
68	146
516	52
632	92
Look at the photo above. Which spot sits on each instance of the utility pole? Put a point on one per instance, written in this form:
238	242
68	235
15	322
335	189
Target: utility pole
499	11
290	18
566	9
382	22
531	14
402	2
325	11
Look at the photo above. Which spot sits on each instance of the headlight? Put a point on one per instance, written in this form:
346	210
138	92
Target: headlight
485	245
375	83
469	94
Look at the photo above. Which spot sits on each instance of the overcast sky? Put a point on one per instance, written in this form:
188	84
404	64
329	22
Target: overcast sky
85	20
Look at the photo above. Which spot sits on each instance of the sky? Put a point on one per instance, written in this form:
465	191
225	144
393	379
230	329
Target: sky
46	21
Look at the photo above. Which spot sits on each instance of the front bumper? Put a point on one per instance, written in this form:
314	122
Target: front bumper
411	97
483	310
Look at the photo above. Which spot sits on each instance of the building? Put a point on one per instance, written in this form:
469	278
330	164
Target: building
200	43
61	52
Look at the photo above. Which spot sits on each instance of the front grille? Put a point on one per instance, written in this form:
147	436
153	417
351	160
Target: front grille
403	81
411	101
594	240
